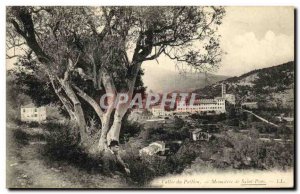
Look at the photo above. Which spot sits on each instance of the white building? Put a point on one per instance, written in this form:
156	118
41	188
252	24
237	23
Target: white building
32	113
139	115
216	105
157	110
199	134
160	111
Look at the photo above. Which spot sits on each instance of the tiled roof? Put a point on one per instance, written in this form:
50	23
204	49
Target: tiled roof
31	105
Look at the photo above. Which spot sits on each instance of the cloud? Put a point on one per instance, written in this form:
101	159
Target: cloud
246	52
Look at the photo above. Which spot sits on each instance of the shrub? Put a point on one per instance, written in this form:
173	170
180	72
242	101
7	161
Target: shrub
63	145
20	136
33	124
279	156
145	168
252	153
61	135
169	133
129	129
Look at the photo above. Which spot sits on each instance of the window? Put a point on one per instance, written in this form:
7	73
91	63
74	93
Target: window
24	109
35	110
35	115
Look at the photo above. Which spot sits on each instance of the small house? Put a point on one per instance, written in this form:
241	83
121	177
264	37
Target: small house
199	135
31	113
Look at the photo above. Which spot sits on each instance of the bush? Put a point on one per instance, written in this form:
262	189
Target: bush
33	124
140	173
188	152
61	135
169	134
251	153
279	156
63	145
129	129
20	136
145	168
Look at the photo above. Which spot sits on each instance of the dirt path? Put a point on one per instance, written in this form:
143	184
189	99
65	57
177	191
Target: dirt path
260	118
26	168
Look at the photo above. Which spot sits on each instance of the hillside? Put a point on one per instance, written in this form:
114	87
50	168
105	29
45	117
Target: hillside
271	87
167	81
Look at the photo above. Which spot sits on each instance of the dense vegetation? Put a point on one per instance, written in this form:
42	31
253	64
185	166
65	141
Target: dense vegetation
264	86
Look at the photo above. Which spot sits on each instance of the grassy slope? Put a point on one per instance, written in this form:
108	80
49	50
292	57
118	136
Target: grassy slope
28	168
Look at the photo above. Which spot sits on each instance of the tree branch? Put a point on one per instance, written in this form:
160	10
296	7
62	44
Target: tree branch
107	26
89	100
18	29
28	33
156	55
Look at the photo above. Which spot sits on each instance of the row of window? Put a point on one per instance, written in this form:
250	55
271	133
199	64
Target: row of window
34	115
199	105
204	108
24	110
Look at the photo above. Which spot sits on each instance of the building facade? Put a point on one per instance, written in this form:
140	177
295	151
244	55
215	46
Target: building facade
31	113
216	105
160	111
139	115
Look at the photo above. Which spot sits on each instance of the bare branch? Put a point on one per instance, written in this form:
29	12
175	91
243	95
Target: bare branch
89	100
17	27
157	54
12	56
107	24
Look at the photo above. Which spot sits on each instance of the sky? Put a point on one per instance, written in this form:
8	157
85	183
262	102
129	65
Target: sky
252	37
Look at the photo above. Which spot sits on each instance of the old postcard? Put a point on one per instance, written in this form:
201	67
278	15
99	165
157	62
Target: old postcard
150	97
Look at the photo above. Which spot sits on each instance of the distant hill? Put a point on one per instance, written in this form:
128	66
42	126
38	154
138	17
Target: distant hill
163	82
272	86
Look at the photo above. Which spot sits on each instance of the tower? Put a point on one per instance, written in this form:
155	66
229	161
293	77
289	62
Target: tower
223	90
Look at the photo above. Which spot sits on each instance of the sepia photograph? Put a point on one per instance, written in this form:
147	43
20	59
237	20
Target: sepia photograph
150	97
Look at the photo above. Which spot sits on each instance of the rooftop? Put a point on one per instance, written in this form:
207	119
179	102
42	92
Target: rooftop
31	105
197	130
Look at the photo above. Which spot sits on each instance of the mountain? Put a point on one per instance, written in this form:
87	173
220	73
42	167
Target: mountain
271	87
168	81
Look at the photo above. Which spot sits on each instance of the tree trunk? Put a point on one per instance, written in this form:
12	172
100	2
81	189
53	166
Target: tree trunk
71	104
114	131
78	111
102	145
66	102
105	120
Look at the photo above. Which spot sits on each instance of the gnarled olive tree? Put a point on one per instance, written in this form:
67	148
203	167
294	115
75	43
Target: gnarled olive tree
106	47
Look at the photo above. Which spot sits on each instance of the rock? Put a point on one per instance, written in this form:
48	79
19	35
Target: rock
55	170
14	164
